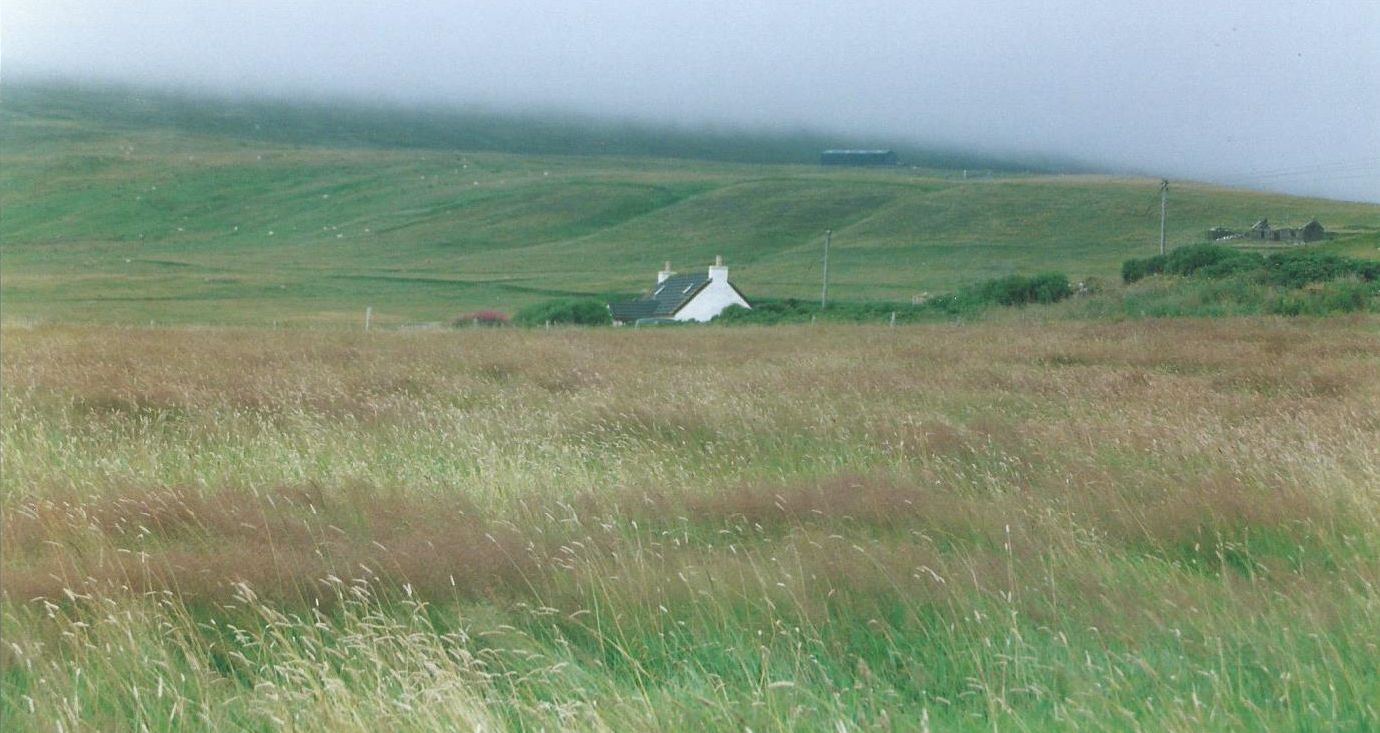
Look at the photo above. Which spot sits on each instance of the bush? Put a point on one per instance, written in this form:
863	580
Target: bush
792	310
1298	268
1344	296
1048	287
768	312
1209	260
1231	266
1138	269
1230	291
772	312
566	311
490	318
1287	269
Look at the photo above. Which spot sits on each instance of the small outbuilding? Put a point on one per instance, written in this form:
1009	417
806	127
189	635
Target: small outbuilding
857	157
690	297
1312	231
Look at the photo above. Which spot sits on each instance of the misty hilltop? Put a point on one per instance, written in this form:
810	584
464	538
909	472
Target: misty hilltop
1280	96
351	123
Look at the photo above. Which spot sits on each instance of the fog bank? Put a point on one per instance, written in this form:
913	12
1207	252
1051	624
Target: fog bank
1276	95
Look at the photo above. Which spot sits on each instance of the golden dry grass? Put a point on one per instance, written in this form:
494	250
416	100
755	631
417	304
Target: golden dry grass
1006	524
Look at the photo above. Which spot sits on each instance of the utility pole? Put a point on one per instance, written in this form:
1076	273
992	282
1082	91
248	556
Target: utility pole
1164	197
824	292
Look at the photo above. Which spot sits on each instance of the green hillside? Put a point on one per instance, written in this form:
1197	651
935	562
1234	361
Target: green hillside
166	215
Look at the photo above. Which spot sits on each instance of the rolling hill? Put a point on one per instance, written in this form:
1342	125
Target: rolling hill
120	209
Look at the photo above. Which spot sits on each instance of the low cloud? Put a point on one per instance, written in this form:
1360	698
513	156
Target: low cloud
1276	95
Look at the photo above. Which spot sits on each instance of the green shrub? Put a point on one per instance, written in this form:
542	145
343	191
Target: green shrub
1138	269
771	312
736	313
1208	260
1291	269
565	311
1211	260
1300	267
1230	291
1343	296
1348	296
1048	287
1247	294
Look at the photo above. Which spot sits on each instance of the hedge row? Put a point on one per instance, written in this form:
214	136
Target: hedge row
1286	269
565	311
1013	290
1047	287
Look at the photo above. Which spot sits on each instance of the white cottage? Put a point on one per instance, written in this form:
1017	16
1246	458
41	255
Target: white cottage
693	297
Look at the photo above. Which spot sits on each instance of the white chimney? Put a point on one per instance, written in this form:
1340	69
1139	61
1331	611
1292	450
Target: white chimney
717	271
665	273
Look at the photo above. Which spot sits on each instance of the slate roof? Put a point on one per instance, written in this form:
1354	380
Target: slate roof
663	302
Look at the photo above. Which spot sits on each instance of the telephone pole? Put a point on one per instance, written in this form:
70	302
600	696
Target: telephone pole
824	291
1164	198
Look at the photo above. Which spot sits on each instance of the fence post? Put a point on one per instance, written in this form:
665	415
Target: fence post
368	316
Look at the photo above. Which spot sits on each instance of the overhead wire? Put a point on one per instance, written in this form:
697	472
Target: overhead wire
1324	171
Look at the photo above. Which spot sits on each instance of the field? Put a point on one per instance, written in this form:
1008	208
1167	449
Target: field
1158	525
128	209
223	507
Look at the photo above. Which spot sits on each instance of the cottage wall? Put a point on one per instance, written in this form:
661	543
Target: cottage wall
710	301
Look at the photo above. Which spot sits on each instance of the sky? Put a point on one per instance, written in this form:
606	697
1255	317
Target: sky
1274	94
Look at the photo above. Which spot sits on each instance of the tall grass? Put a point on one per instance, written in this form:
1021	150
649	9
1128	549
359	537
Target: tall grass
1150	525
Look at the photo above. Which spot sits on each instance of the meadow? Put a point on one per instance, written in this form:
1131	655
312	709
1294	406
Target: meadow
1145	525
126	208
223	507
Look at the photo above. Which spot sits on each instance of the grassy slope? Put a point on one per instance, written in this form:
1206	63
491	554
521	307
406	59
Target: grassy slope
180	218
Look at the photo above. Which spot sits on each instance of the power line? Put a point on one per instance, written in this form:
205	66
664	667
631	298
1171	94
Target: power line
824	291
1316	176
1164	201
1312	166
1343	167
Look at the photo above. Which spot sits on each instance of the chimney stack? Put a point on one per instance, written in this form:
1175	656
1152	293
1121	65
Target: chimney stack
665	273
717	271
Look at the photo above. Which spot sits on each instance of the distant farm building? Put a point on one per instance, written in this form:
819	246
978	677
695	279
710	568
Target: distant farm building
1261	231
857	157
692	297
